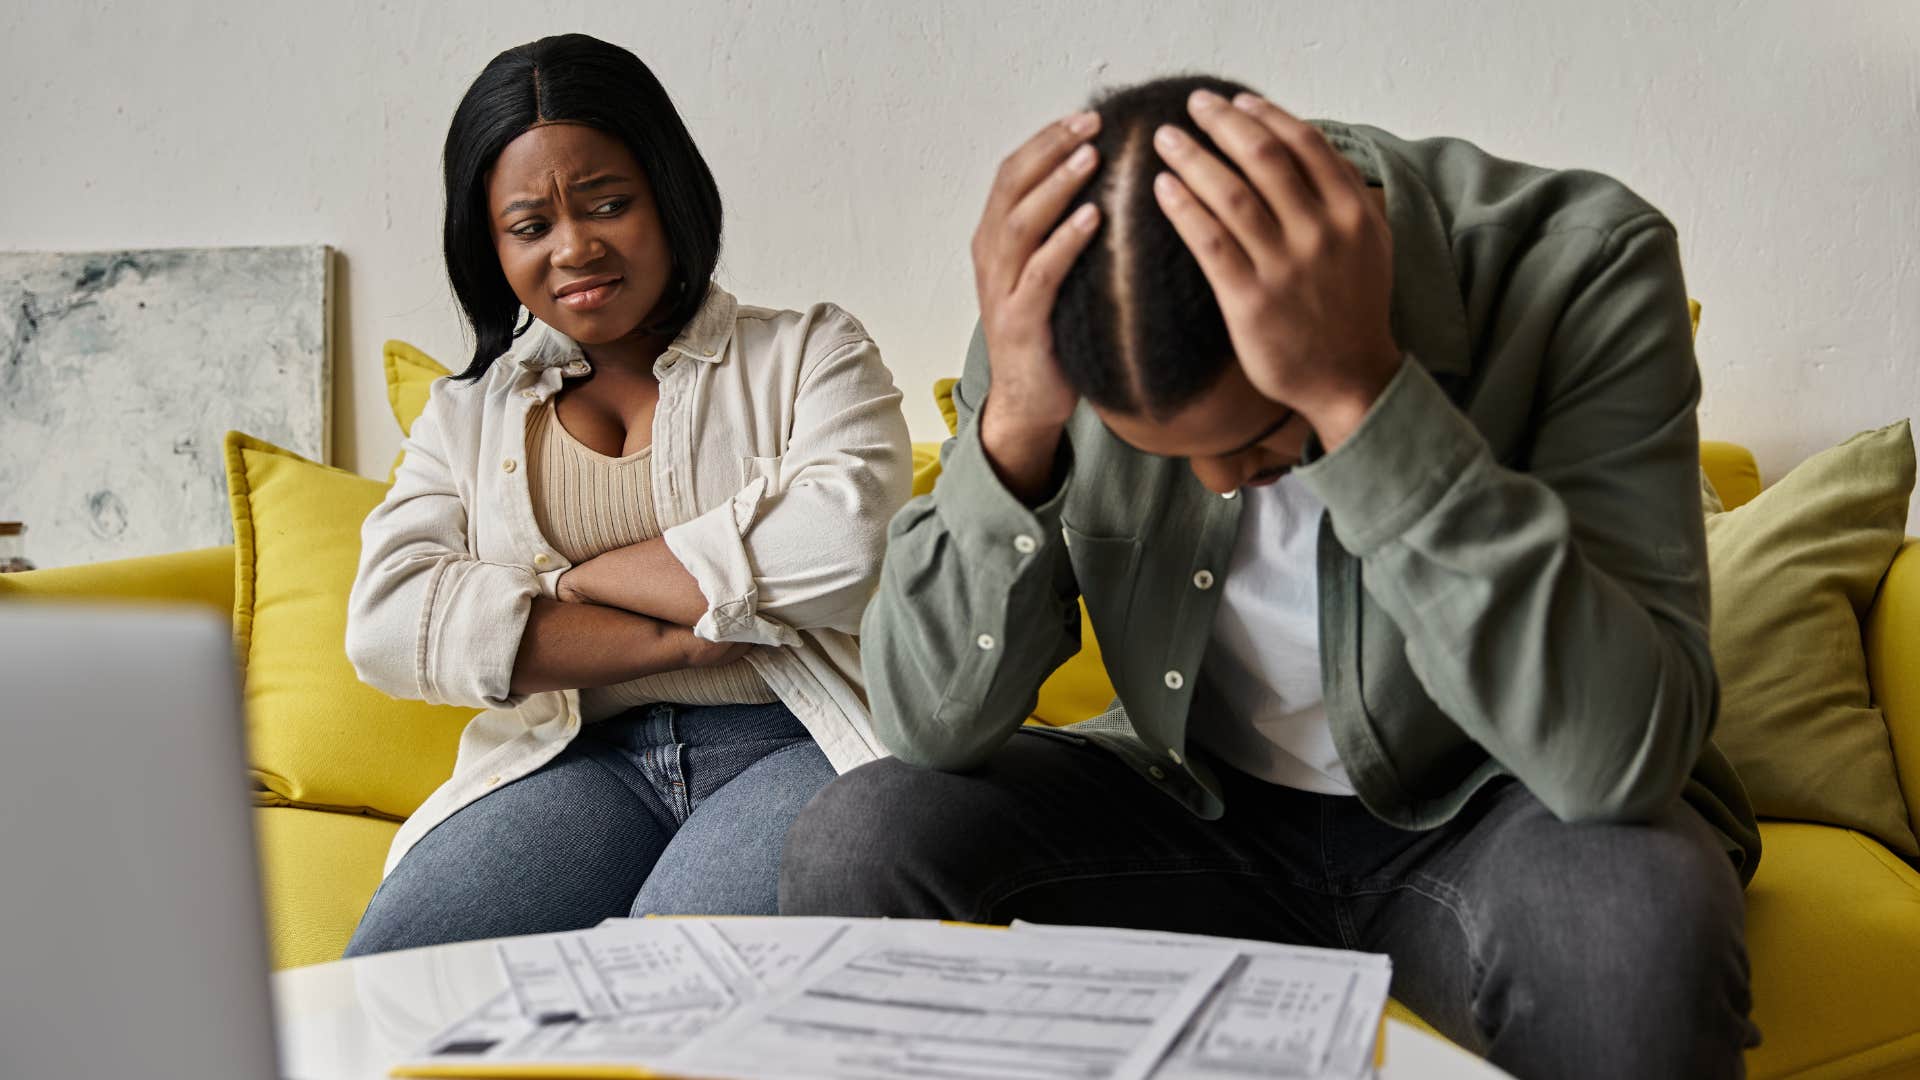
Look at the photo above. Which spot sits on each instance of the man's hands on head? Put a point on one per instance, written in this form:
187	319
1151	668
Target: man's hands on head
1017	267
1299	257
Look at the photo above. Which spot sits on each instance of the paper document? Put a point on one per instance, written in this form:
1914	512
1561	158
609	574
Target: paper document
1283	1010
875	999
631	993
897	1003
766	952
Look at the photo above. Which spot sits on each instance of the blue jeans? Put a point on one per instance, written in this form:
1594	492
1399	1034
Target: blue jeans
664	809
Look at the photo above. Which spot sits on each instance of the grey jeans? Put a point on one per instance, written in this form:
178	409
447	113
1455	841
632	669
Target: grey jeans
1555	950
664	809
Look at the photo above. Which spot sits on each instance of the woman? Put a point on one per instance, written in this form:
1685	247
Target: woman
638	530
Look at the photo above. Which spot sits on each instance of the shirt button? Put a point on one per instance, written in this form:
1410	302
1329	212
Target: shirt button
1228	494
530	395
1174	754
509	465
492	780
1156	772
1025	545
1203	580
1174	681
541	559
985	641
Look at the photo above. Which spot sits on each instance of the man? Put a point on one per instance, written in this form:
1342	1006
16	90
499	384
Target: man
1376	464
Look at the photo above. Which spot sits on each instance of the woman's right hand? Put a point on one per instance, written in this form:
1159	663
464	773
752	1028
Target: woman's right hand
1017	267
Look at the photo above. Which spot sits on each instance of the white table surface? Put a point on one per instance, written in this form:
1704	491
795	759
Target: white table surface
352	1019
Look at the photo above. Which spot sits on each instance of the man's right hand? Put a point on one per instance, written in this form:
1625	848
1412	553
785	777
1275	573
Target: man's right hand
1017	268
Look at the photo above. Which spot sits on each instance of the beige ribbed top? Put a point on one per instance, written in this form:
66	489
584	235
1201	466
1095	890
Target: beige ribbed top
587	503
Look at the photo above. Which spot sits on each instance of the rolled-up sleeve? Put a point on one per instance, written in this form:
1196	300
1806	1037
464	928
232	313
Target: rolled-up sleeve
800	546
425	618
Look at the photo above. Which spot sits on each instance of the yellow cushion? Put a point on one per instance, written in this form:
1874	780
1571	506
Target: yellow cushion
1794	573
943	397
318	870
203	576
318	735
926	466
1833	932
1735	476
410	377
1893	666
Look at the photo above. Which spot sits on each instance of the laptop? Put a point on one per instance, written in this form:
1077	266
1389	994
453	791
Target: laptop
131	938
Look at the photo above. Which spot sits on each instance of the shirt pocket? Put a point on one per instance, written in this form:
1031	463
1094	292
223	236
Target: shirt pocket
1106	569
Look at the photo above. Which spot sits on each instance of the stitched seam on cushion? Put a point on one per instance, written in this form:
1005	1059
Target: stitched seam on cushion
1886	859
280	802
248	570
1862	1052
390	365
271	783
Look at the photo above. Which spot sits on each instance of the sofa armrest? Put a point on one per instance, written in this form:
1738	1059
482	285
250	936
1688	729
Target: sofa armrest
203	576
1893	665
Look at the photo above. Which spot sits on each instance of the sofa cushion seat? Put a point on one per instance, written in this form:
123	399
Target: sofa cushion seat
1833	930
318	869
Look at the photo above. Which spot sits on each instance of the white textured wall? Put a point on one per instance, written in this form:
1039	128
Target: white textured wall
853	141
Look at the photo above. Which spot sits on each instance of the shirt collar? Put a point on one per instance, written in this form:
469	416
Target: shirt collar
704	338
707	333
1429	319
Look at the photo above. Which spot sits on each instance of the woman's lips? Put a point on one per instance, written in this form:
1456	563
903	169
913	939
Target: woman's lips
587	299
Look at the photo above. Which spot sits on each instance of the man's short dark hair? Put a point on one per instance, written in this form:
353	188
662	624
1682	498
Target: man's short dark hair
1136	326
578	79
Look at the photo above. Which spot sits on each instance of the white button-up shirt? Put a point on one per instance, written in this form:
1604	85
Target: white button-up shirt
779	456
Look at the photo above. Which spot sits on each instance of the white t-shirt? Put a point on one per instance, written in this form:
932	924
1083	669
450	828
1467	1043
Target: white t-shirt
1263	659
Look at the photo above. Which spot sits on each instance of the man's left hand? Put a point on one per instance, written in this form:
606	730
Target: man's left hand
1299	257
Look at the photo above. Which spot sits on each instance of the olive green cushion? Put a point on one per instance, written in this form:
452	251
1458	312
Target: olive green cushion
1794	573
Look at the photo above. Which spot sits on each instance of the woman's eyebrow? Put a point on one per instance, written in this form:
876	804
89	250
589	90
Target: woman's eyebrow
593	182
589	184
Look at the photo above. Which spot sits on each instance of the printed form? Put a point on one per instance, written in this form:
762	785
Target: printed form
633	993
870	999
897	1003
1283	1010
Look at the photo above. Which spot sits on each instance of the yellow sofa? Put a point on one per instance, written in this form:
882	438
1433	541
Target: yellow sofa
1833	916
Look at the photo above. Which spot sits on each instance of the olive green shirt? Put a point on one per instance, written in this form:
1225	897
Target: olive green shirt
1512	565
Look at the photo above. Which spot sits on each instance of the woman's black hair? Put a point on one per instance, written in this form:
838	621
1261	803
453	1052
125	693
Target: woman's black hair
1136	326
578	79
